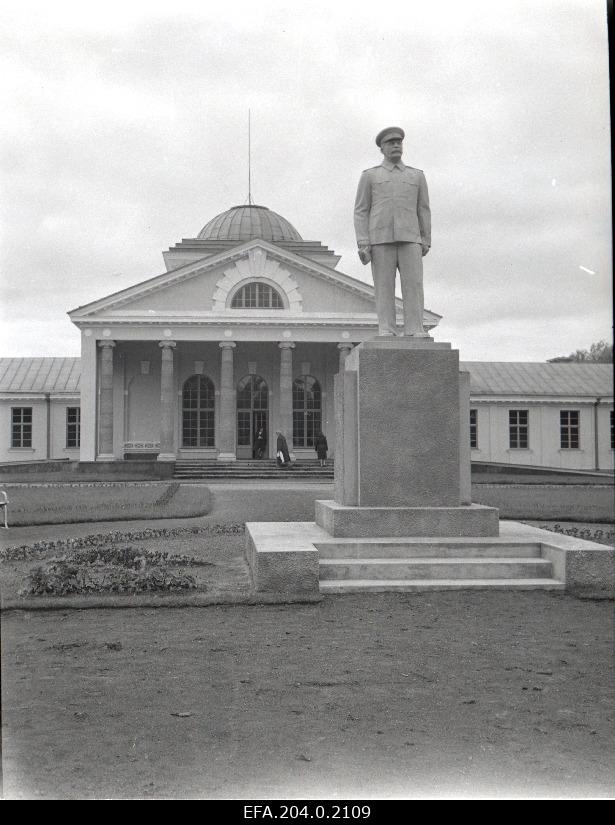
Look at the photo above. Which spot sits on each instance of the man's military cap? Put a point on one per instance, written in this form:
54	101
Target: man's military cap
388	133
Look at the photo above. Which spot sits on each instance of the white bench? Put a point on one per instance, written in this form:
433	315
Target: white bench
4	503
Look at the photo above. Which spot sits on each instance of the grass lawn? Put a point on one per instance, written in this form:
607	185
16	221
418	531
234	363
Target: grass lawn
116	501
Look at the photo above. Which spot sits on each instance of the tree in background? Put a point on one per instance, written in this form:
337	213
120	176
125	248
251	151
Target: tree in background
598	353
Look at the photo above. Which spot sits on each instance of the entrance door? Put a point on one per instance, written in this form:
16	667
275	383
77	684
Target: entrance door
252	411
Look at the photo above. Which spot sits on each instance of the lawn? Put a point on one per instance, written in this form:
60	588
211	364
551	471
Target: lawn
112	501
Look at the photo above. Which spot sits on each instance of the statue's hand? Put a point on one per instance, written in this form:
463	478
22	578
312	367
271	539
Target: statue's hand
425	249
365	254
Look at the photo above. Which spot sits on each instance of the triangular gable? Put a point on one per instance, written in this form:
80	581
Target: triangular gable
215	262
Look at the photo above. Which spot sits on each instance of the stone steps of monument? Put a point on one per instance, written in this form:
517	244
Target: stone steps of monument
341	586
376	564
401	548
465	569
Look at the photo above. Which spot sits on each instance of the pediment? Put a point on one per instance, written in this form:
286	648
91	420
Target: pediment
206	285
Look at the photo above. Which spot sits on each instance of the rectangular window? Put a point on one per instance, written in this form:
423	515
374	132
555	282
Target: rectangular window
474	429
73	426
612	430
518	429
243	428
569	429
21	426
298	428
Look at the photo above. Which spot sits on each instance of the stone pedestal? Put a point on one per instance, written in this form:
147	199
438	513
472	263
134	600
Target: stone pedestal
397	417
402	455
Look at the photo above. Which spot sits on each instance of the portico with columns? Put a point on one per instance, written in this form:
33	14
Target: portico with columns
245	330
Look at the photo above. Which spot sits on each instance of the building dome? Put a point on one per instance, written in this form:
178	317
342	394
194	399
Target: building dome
244	223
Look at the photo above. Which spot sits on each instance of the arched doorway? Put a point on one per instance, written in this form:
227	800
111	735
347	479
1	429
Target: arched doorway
252	410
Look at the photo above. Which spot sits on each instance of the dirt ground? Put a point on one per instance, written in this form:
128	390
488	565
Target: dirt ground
447	694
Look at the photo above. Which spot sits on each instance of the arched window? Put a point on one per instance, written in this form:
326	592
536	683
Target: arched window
198	402
307	411
257	295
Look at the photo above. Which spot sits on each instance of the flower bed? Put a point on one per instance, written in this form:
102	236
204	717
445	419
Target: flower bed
602	535
62	577
206	558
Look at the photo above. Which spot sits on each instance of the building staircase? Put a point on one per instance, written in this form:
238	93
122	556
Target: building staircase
419	564
266	469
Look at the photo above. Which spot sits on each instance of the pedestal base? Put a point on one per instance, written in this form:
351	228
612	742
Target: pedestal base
398	427
374	522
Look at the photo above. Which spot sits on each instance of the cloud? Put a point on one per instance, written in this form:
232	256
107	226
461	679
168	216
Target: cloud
124	132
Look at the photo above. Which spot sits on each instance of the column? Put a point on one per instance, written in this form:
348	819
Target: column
227	403
105	403
89	400
167	402
344	350
285	417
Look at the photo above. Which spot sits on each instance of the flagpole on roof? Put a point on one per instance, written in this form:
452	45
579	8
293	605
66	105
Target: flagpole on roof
250	201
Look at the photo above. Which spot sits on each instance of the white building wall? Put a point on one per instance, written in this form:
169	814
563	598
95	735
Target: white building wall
58	430
606	453
544	442
137	389
38	450
137	408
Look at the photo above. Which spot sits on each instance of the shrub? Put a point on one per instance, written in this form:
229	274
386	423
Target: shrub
60	578
131	557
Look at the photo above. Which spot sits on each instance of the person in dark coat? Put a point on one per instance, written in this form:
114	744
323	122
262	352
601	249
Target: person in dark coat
260	443
321	447
281	448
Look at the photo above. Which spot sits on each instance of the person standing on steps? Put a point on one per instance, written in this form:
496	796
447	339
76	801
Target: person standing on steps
282	454
260	443
321	447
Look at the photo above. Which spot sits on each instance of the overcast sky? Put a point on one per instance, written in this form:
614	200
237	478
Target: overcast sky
125	129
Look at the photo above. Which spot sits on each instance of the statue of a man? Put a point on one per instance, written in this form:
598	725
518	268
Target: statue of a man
393	224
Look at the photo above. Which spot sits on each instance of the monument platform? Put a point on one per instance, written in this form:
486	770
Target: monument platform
402	518
303	558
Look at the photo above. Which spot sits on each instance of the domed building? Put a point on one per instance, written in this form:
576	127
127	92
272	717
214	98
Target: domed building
244	331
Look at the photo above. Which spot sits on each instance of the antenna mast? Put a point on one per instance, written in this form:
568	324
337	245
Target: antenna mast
249	162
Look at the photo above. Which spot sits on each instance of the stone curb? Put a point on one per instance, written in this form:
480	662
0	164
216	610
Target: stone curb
134	601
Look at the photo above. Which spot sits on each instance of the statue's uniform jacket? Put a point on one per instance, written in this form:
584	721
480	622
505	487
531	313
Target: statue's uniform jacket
392	205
